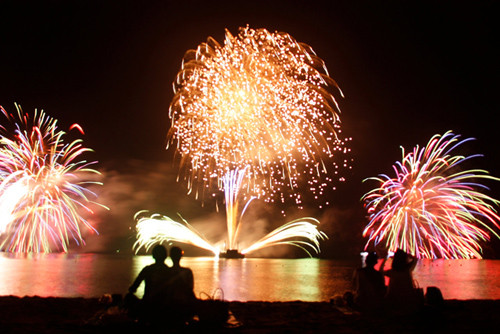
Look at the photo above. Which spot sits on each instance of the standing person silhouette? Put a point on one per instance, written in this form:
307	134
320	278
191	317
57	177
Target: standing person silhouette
156	278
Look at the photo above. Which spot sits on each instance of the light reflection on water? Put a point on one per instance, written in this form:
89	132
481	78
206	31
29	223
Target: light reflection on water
92	275
461	279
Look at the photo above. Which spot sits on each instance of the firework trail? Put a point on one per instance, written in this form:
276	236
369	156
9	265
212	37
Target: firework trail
232	183
157	229
302	233
258	113
43	186
432	208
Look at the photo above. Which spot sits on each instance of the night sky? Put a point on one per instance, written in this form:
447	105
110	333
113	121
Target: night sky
407	72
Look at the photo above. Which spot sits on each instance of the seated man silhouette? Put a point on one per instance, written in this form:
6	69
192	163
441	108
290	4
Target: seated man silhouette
156	278
369	285
182	298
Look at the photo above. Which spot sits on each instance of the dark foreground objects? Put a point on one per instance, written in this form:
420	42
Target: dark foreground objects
183	304
402	295
369	285
231	254
169	300
151	308
79	315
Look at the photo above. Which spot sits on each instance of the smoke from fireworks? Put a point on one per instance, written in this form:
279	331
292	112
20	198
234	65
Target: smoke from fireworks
43	186
256	115
432	208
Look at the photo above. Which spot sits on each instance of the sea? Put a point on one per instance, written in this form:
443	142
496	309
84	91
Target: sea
248	279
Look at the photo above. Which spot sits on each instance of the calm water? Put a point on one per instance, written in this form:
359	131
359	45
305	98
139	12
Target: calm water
92	275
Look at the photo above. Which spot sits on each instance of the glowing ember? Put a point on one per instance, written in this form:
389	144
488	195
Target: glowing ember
431	208
42	186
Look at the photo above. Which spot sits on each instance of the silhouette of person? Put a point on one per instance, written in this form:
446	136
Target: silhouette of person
369	285
181	285
401	293
156	278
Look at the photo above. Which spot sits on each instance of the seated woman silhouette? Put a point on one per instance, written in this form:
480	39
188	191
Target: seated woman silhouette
181	284
401	293
156	278
369	285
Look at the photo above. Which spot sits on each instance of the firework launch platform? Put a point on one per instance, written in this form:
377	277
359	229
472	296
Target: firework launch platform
231	254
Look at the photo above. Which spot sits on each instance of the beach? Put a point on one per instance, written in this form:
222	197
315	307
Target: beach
93	315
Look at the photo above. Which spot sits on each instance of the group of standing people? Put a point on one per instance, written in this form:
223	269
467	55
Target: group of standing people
399	295
168	291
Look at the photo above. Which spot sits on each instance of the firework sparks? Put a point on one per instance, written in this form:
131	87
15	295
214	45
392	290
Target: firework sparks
43	186
232	184
259	110
431	208
157	229
302	233
260	103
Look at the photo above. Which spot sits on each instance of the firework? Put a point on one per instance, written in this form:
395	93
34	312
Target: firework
302	233
260	103
43	186
432	208
232	184
258	114
157	229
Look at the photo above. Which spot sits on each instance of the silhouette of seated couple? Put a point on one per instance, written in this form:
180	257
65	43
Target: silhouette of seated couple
400	295
168	292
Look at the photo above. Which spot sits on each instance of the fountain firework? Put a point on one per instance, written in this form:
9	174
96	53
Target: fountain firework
432	208
156	228
43	186
255	118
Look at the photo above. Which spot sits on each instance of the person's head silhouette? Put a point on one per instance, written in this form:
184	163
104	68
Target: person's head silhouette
400	260
176	254
371	259
159	253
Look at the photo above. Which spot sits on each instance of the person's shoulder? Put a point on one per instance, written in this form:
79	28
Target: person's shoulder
185	270
148	267
145	270
155	267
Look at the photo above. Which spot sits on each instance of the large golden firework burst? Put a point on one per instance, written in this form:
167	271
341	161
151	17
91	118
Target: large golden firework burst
262	103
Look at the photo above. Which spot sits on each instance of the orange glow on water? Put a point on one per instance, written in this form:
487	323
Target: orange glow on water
92	275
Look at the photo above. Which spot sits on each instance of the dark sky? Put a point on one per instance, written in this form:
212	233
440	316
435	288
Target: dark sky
408	71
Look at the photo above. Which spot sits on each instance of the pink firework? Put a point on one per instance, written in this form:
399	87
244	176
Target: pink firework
43	186
432	208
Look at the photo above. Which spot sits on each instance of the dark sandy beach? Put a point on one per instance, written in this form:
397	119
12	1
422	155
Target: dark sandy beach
80	315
